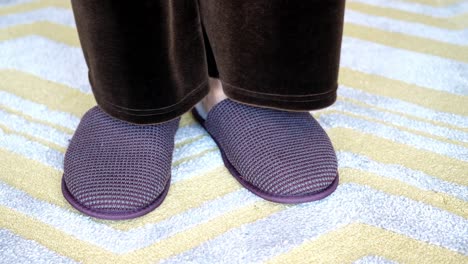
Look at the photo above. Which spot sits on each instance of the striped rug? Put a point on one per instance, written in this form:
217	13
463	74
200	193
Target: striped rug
400	127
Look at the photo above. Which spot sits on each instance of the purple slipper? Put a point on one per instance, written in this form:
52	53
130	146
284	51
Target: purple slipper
281	156
117	170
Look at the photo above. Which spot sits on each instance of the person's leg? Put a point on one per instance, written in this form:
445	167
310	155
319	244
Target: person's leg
146	58
275	53
147	66
282	55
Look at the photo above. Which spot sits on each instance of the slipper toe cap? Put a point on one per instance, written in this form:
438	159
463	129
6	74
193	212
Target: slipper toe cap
114	169
284	154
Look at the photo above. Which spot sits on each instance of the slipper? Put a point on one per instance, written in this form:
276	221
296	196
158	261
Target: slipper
117	170
281	156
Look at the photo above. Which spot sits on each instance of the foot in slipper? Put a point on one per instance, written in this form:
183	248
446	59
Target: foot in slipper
281	156
117	170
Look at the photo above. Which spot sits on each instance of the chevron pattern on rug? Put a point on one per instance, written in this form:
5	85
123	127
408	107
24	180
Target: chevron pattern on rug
400	128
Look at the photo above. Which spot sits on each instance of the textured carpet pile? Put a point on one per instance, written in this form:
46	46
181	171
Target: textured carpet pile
400	128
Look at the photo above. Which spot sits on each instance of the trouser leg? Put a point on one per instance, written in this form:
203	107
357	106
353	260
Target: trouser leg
276	53
146	58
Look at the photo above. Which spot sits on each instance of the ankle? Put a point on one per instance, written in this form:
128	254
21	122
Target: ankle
215	95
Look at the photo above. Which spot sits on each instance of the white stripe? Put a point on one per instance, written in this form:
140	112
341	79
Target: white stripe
38	111
118	241
194	148
53	158
374	260
36	151
126	241
198	166
50	14
10	3
65	64
399	120
403	107
32	150
404	65
106	235
443	12
17	250
41	131
457	37
394	134
351	203
408	176
188	132
42	113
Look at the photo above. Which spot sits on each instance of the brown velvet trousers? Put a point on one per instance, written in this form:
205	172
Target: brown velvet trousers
149	60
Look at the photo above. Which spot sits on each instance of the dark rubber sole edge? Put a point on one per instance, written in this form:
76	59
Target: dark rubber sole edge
113	216
265	195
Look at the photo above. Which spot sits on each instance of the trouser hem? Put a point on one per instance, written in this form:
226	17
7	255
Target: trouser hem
152	116
307	102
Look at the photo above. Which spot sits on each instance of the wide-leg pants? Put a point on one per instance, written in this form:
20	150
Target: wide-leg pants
149	60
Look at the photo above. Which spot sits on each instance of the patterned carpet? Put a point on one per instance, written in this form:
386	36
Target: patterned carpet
400	127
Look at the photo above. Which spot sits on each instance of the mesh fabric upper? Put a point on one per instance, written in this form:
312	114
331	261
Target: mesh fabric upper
279	152
115	166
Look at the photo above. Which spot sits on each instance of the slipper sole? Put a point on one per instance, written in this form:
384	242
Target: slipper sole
114	216
265	195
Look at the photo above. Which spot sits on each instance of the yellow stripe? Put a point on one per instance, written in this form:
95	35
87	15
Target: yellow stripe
453	23
195	236
26	174
41	141
358	240
408	42
436	3
36	179
54	95
68	35
433	99
54	239
409	116
395	187
176	244
402	128
33	120
33	5
391	152
186	194
60	33
202	153
186	120
189	140
183	199
450	103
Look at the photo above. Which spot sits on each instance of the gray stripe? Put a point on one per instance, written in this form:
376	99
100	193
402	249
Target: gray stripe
10	3
41	131
30	149
38	111
65	64
116	241
374	260
403	107
443	12
50	14
399	120
351	203
15	249
411	67
395	171
457	37
420	142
